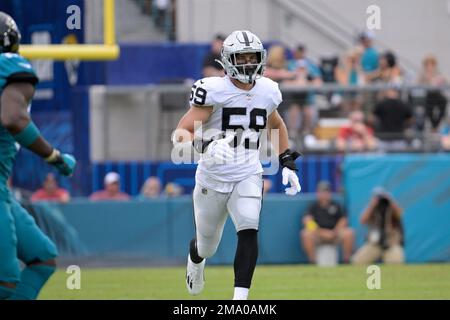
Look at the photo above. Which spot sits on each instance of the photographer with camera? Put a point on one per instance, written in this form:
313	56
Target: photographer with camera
385	237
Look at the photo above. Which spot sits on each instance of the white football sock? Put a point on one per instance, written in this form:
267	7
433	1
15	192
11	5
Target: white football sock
240	293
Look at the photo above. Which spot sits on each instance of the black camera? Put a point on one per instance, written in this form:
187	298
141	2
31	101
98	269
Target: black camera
383	204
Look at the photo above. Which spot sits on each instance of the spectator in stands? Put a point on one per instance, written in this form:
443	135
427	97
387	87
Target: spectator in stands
276	65
383	216
328	66
267	185
211	68
326	222
301	114
299	54
445	136
430	74
276	69
303	75
435	100
388	71
392	118
356	137
146	6
50	191
112	189
369	55
162	7
151	189
293	118
173	190
350	73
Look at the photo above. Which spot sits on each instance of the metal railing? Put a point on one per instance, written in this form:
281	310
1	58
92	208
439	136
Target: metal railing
154	111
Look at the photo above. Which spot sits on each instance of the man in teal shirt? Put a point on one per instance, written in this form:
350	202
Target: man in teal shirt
20	237
369	57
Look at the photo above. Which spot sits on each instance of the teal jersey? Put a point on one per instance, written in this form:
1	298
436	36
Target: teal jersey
13	68
369	60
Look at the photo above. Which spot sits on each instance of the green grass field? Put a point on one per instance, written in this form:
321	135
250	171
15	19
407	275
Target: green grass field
270	282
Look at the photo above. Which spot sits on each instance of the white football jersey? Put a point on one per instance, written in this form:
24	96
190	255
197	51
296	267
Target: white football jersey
245	112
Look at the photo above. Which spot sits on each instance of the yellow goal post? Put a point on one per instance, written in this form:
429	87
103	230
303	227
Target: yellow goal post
109	50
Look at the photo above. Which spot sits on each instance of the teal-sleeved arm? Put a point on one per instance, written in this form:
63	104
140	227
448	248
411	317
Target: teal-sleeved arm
15	68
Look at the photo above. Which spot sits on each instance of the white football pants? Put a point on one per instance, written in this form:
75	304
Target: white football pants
211	209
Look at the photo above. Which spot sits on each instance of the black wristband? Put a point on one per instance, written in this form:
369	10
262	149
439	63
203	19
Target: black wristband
287	159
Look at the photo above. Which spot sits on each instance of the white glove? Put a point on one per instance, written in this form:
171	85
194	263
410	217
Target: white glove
219	151
291	177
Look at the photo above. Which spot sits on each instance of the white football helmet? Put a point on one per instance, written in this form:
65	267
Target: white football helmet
243	41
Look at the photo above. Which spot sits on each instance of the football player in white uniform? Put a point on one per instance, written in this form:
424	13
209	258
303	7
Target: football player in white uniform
240	106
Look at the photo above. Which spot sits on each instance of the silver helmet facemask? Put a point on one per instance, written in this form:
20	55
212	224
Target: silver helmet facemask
248	72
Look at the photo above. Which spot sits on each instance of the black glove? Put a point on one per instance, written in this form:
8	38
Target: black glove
287	159
200	145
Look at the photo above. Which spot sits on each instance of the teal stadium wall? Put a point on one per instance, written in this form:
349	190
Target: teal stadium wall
420	183
160	230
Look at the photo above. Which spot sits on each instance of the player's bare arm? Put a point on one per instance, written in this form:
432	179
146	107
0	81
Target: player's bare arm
218	150
196	114
15	117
